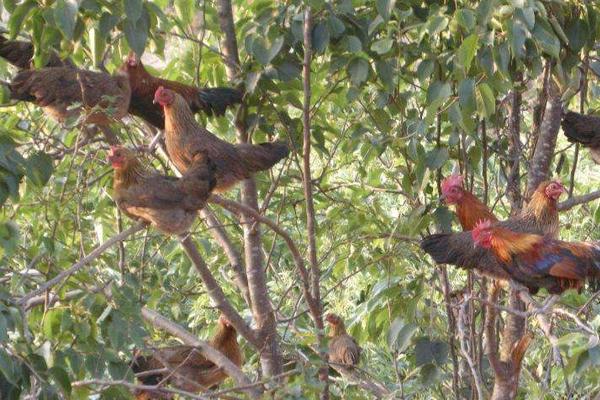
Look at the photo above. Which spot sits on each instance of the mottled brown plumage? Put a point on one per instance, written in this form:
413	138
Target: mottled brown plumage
536	260
144	85
343	348
540	216
192	372
583	129
169	203
20	54
184	138
105	98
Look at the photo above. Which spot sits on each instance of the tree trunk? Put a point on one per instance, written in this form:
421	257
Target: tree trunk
262	311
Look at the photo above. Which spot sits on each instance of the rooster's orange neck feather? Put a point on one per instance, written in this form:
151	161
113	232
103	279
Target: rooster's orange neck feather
506	243
470	210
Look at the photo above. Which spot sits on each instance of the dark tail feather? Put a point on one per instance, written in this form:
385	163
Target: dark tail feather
260	157
584	129
20	53
142	363
438	247
19	86
16	52
216	100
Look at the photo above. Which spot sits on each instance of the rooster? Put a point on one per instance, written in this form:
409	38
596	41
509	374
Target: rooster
184	138
539	216
469	209
343	349
144	85
59	89
20	54
584	129
536	260
186	368
167	202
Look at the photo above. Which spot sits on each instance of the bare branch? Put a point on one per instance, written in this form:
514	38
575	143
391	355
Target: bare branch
577	200
216	293
83	262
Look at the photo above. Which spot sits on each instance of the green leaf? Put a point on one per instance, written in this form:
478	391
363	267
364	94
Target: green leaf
18	16
320	37
467	50
133	9
429	374
382	46
465	18
486	103
61	377
385	7
353	44
547	40
484	11
39	168
136	33
65	16
436	25
517	33
400	334
466	95
7	367
436	158
429	351
358	70
185	11
437	93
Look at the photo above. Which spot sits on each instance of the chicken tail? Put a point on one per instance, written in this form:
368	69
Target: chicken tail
16	52
216	100
142	363
261	157
584	129
438	247
21	84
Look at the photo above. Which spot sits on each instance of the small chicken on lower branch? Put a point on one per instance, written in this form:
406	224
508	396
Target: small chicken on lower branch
583	129
344	351
167	202
184	367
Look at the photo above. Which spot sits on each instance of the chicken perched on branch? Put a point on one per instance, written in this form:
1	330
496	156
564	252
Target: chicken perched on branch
58	90
540	216
144	85
583	129
535	260
184	367
20	54
184	138
343	348
469	210
168	202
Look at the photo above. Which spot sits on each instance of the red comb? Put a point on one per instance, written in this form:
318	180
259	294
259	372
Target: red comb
450	181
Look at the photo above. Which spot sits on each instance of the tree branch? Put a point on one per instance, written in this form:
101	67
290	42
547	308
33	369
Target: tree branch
216	293
577	200
81	263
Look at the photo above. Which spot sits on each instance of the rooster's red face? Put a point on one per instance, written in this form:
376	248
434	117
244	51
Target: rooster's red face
118	156
452	189
482	234
332	319
163	96
554	190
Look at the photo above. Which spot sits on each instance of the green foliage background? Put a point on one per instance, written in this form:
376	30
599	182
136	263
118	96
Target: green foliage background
400	90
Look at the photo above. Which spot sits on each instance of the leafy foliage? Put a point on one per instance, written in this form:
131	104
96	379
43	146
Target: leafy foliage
402	91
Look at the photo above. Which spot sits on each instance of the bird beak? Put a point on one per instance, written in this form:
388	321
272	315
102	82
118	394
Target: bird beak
442	200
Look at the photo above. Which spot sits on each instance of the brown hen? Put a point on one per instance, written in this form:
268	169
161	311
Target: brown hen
144	85
184	138
167	202
343	348
187	369
58	90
